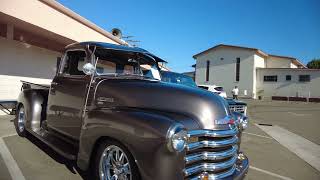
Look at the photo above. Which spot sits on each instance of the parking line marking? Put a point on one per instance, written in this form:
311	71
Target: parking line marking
270	173
303	148
296	114
257	135
8	135
11	164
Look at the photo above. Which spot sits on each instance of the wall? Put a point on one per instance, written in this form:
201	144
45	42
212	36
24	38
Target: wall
259	62
39	14
222	72
289	88
277	62
19	61
293	65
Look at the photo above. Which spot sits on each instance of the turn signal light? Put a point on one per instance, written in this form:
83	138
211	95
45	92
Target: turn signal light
204	177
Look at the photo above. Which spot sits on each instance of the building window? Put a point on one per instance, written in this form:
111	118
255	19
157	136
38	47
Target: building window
238	69
270	78
288	77
3	30
304	78
207	71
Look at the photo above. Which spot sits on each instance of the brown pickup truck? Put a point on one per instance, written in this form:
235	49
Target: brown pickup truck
119	123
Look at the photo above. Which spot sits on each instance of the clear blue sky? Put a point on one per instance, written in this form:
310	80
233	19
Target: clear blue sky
177	29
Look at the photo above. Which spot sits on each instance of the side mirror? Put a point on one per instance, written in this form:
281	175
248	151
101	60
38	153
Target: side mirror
88	69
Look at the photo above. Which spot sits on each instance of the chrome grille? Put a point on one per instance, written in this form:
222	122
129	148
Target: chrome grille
238	108
211	152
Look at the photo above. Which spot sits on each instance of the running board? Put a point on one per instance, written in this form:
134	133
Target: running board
61	147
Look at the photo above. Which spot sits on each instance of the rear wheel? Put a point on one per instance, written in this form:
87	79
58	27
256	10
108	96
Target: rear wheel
20	121
114	162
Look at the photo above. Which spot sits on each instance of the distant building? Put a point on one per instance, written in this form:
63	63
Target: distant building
190	74
255	72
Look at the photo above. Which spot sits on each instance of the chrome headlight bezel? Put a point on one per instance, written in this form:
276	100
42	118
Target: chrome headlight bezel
177	138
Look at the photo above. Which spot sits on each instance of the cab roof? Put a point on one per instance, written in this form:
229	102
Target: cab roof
114	47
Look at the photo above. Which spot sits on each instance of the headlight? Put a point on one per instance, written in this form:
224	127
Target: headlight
177	138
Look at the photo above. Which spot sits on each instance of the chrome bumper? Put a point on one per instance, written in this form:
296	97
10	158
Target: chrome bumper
237	172
212	154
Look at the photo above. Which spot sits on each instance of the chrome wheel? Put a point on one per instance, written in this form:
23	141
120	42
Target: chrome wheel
21	119
114	164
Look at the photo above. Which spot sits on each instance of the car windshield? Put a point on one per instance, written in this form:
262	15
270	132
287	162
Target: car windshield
125	64
219	88
177	78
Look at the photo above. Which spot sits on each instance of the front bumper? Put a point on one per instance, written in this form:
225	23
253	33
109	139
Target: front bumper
238	172
242	167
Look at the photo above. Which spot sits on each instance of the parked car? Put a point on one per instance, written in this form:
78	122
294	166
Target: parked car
215	89
177	78
116	123
237	106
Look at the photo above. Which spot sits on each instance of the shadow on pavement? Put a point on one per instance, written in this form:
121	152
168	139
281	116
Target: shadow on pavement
69	164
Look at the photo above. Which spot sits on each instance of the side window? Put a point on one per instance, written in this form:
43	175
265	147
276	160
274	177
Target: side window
204	87
74	62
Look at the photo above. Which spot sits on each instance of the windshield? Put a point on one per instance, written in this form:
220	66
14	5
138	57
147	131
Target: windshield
177	78
125	64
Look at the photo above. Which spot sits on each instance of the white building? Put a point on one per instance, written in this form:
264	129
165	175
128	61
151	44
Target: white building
255	72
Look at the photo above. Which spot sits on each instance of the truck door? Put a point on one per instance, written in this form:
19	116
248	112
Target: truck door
67	95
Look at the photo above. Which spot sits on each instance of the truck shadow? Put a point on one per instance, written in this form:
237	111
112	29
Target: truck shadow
69	164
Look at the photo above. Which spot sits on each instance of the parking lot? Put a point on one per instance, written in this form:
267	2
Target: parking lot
30	159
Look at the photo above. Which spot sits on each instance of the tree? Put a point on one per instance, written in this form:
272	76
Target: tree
314	64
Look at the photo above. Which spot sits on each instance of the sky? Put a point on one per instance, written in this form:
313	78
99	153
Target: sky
175	30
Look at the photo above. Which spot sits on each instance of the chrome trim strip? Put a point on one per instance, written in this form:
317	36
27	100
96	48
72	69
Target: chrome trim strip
210	166
212	144
216	176
211	155
213	133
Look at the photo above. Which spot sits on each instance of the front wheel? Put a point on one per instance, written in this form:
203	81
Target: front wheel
20	121
114	162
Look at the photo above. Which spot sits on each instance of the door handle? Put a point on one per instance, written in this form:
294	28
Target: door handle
54	83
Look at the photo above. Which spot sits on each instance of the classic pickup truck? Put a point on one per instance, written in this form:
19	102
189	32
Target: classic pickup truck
118	123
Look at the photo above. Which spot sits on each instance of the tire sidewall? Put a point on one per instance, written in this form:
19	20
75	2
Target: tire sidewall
24	132
101	147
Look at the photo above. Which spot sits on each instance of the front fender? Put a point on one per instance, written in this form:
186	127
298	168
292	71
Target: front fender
142	132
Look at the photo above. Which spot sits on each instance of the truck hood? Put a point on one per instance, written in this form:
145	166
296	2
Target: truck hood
200	105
